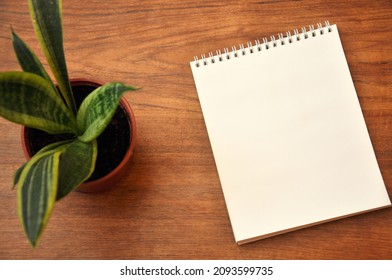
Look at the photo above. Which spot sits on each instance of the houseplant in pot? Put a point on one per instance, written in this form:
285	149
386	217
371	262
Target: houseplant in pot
64	134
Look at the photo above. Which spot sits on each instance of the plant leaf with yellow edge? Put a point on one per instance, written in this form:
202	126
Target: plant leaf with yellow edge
97	110
37	190
77	163
58	146
47	22
30	100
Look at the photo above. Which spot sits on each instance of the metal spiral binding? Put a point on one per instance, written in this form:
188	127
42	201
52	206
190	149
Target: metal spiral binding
266	44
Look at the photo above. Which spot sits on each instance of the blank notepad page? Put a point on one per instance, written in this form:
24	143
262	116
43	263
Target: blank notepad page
287	133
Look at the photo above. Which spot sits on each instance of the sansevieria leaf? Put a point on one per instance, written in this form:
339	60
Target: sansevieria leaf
27	59
97	110
47	21
17	174
76	165
57	146
30	100
37	190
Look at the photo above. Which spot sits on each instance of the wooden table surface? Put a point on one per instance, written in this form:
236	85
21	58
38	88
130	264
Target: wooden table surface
170	204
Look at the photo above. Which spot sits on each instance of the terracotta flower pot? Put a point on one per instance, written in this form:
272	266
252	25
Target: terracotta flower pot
113	176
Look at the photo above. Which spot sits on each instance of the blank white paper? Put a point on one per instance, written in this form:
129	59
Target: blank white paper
288	136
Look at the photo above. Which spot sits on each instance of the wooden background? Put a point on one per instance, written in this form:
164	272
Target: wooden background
170	204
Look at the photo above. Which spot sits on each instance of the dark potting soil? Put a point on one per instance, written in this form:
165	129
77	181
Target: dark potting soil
113	143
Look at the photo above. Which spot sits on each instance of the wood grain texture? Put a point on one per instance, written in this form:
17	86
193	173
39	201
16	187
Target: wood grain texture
170	204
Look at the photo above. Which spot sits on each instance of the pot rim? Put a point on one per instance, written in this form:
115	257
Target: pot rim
117	171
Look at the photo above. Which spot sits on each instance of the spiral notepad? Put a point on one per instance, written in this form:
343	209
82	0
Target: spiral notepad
288	136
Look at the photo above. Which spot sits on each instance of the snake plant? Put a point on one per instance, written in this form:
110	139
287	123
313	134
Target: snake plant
30	98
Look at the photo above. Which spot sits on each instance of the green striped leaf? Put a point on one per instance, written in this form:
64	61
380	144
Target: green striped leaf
27	59
30	100
47	21
97	110
37	189
76	166
17	175
58	146
77	163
